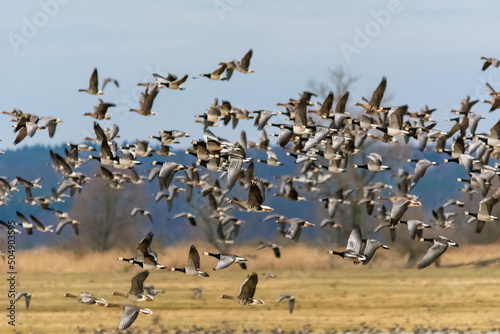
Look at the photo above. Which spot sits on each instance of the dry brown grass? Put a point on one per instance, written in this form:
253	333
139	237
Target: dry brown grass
330	293
302	257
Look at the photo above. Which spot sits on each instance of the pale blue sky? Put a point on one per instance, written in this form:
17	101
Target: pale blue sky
429	52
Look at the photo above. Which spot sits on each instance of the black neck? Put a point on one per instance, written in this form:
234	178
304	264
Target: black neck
341	254
134	261
139	263
215	255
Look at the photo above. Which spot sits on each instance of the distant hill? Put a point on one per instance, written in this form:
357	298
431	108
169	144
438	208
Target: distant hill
32	162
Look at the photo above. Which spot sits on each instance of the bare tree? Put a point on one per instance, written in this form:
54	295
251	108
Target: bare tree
104	215
339	82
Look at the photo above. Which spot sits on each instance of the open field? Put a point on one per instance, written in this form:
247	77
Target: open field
331	294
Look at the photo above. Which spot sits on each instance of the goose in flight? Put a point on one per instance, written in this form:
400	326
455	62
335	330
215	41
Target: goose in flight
100	111
495	102
274	247
395	122
171	81
269	275
353	249
50	123
291	301
484	213
440	245
87	298
146	100
295	229
421	168
108	80
130	313
26	295
196	293
215	75
93	85
65	221
415	227
328	222
8	227
256	196
488	61
136	211
225	260
373	106
290	193
233	170
241	66
374	163
190	217
144	256
39	226
150	290
399	206
167	172
369	248
25	223
272	159
137	288
192	267
247	291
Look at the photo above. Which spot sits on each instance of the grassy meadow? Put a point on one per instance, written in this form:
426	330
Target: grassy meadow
331	294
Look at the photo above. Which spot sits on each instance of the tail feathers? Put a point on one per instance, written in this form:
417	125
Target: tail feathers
101	302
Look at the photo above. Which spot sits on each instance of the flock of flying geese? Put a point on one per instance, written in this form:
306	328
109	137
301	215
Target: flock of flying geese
319	137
